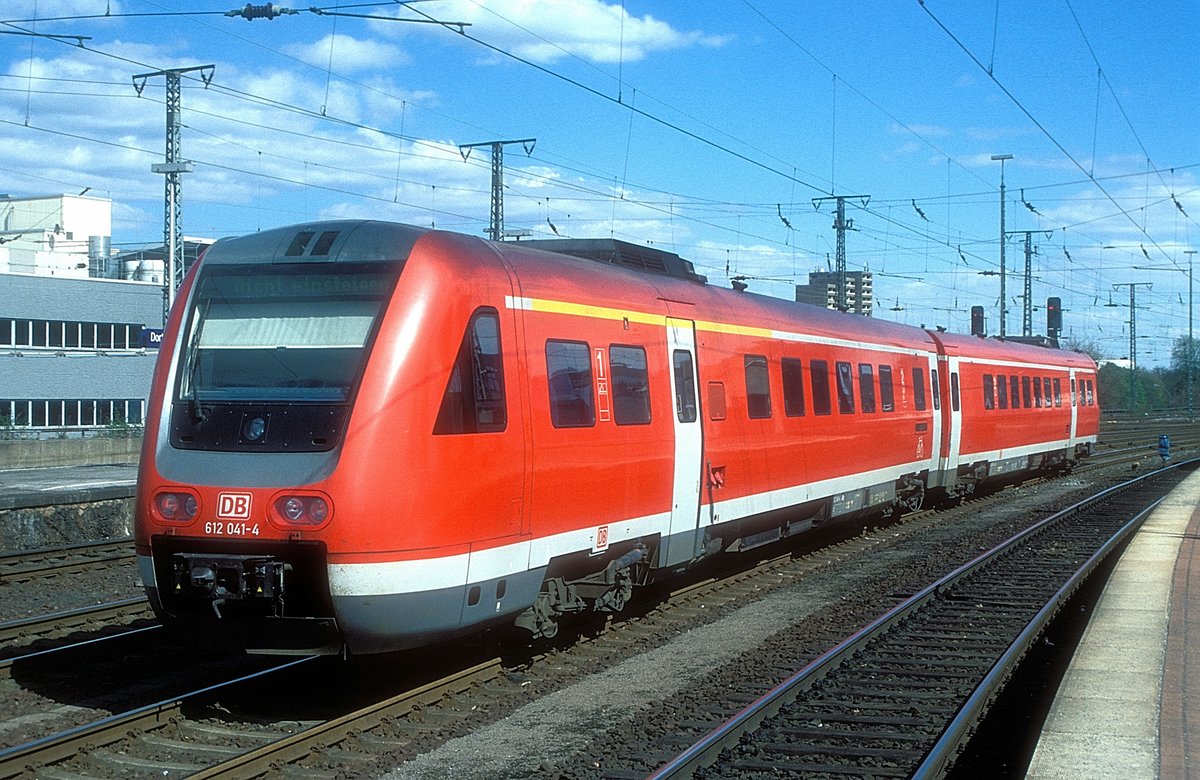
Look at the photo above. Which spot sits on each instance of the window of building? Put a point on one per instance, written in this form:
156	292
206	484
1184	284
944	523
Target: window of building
474	399
845	387
989	391
6	332
716	400
1002	391
758	388
818	372
40	333
685	386
630	385
792	372
569	376
887	395
918	383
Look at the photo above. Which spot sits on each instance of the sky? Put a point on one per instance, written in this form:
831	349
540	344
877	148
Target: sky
713	130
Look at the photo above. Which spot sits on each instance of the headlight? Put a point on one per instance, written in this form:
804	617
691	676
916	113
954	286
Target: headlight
300	509
176	506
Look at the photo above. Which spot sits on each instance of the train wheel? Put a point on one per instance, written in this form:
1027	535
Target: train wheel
911	494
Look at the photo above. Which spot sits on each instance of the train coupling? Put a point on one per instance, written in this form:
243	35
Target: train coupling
219	579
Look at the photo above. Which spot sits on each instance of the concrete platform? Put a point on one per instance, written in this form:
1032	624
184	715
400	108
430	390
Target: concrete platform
39	487
1129	705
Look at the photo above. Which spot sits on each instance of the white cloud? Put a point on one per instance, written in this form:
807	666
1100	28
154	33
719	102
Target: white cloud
347	54
551	30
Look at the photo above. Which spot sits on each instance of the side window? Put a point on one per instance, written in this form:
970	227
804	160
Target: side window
1091	395
1014	391
1002	391
937	389
1037	392
1046	394
845	388
866	387
473	401
758	387
918	377
954	390
1026	393
716	400
569	374
818	372
630	385
887	396
1074	398
792	373
1058	392
989	391
685	386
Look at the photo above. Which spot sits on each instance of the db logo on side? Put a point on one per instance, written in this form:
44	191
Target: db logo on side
233	506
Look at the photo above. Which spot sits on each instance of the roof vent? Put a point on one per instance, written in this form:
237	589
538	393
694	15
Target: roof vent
610	250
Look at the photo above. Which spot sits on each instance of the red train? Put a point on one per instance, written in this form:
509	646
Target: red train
367	436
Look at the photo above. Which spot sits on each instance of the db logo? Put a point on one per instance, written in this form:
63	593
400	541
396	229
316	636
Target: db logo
601	539
233	506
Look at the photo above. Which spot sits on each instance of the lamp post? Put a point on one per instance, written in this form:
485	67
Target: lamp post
1003	300
1190	347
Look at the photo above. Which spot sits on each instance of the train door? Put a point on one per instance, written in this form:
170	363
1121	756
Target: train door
951	418
1074	414
681	543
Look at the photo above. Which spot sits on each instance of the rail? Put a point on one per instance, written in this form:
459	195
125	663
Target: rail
933	761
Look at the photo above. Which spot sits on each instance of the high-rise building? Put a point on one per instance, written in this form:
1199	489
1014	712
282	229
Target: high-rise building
821	290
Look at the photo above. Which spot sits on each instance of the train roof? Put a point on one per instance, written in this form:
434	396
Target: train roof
1002	349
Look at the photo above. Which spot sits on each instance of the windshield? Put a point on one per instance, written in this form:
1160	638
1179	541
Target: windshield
281	332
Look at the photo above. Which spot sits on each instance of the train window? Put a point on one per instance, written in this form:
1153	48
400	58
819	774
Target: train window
866	387
1002	391
716	400
1037	392
887	397
937	389
793	386
954	390
569	374
473	401
1090	395
630	385
918	377
1026	393
685	386
758	387
1047	398
989	391
1074	401
845	388
1058	392
1014	391
818	372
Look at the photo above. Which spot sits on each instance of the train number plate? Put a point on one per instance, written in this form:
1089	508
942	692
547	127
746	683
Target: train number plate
222	528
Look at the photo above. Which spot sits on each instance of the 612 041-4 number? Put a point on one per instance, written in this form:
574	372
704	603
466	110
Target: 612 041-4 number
219	528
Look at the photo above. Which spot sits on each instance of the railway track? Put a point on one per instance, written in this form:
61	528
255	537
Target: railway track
99	621
901	696
26	565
